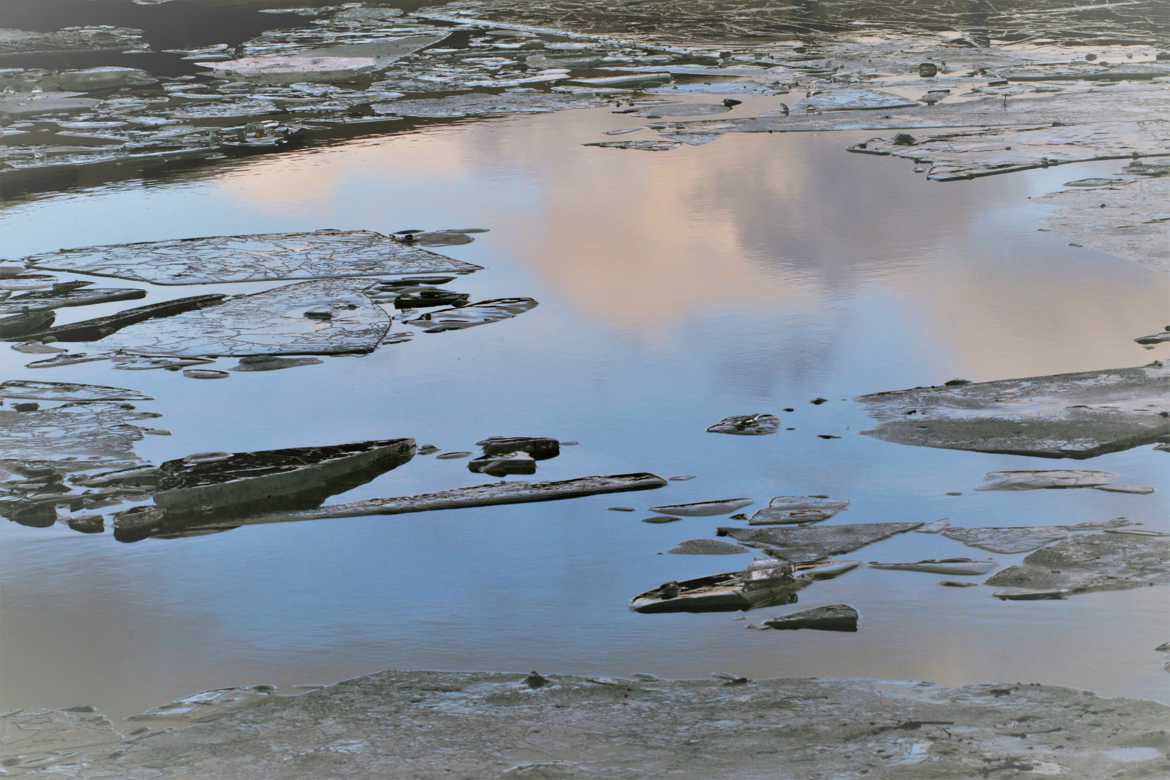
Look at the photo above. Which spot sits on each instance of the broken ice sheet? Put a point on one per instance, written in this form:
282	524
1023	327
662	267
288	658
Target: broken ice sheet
1019	539
1092	562
793	510
73	39
1078	415
273	363
308	318
812	543
322	254
63	296
41	447
854	100
342	63
1130	220
707	547
1046	479
483	104
720	86
641	145
703	508
654	111
100	327
493	494
760	424
215	487
974	152
479	313
66	391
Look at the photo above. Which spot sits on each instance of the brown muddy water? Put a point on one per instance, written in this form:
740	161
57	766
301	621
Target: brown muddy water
752	274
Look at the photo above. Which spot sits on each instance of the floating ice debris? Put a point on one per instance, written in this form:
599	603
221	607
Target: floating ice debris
798	509
42	447
217	488
37	348
478	313
728	592
503	464
25	322
1155	338
504	455
1125	72
1060	416
493	494
321	65
388	285
87	524
707	547
262	138
276	69
641	145
289	320
60	298
661	520
1092	182
656	111
988	151
322	254
1132	224
454	455
451	237
153	362
720	86
1092	562
747	425
539	447
103	78
40	103
630	80
762	584
101	327
93	38
204	373
951	566
813	543
1137	490
1026	594
67	391
273	363
68	359
855	99
704	508
422	297
1028	479
479	104
834	617
1135	532
1019	539
16	278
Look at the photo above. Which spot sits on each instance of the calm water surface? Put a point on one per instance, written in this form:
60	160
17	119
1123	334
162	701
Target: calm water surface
749	275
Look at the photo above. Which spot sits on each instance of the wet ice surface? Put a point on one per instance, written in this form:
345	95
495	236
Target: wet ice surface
754	273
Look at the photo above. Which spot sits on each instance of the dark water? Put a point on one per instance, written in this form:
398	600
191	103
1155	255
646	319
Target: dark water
752	274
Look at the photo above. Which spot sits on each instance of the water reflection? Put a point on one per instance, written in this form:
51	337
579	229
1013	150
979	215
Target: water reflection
752	274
